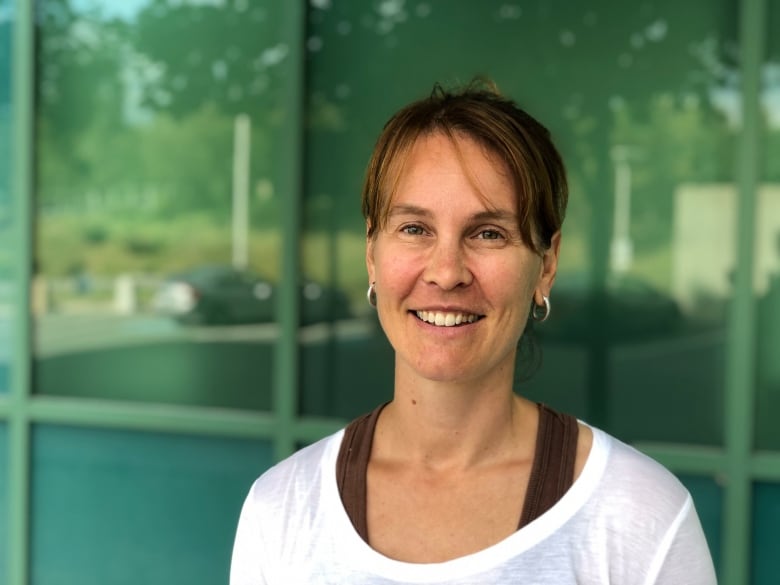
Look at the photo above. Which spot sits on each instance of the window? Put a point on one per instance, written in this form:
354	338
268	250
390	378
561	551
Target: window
192	231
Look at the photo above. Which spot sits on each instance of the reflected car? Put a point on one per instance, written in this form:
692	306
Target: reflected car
628	309
220	295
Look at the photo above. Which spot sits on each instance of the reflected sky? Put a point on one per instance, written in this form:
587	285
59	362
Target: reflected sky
128	9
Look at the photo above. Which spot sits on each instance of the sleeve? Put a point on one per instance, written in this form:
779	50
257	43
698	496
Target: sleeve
246	566
684	556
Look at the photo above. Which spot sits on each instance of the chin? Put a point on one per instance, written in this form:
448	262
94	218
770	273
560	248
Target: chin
446	372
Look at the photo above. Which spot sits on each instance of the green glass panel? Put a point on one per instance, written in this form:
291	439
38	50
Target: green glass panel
6	215
642	102
210	373
158	169
347	371
708	497
766	533
122	507
767	246
4	504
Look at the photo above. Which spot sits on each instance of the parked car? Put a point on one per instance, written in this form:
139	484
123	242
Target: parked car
224	295
631	309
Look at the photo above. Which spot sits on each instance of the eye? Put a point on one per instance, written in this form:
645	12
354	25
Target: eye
413	230
489	234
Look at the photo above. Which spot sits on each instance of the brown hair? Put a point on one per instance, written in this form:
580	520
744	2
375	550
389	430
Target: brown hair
479	112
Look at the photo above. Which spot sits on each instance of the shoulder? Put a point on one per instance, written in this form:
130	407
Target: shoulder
634	495
645	515
297	476
282	507
631	472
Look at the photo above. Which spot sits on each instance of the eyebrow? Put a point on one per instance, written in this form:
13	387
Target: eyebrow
486	215
408	210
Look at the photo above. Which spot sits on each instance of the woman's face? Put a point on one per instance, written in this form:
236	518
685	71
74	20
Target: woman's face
454	280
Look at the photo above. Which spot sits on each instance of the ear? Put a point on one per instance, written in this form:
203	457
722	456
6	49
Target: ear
369	255
549	269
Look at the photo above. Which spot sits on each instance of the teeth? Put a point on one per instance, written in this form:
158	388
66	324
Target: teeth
446	319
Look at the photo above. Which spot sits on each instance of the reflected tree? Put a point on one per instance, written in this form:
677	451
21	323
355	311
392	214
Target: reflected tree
230	54
136	114
599	73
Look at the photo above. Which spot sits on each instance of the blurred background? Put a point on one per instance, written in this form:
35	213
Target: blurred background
182	280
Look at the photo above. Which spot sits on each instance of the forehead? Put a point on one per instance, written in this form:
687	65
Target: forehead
450	168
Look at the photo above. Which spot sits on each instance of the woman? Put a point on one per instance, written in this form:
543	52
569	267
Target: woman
458	479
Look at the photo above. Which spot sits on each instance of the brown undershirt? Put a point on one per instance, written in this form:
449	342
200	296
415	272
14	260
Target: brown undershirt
552	472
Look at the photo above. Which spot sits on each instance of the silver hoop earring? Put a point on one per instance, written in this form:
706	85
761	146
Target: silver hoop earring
371	295
541	312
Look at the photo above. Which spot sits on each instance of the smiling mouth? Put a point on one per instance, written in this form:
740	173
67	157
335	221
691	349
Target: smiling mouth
447	319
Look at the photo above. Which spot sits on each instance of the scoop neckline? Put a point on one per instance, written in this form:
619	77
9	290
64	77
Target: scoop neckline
363	557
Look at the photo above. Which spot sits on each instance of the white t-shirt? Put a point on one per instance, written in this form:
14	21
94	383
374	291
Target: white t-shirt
625	521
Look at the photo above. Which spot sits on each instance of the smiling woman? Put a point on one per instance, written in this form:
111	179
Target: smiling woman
458	479
451	250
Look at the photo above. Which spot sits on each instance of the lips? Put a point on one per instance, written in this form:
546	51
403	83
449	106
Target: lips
447	318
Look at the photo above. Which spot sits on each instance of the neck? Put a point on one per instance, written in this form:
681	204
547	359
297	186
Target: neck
455	424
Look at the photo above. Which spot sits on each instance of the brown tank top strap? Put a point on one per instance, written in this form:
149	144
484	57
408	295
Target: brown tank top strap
552	473
351	466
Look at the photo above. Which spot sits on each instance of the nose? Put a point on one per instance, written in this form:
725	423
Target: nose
447	265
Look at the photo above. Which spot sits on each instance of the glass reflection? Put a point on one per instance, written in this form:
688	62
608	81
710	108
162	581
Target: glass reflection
708	497
157	203
638	309
765	533
6	212
767	246
124	507
4	504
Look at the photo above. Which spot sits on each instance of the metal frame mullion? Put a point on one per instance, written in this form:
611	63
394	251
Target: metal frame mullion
686	459
761	465
150	417
286	358
740	360
22	73
765	466
170	418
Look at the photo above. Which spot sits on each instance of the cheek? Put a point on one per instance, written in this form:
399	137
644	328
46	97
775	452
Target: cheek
396	272
518	288
399	277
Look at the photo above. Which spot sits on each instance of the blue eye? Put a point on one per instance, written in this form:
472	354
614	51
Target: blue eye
490	235
413	230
